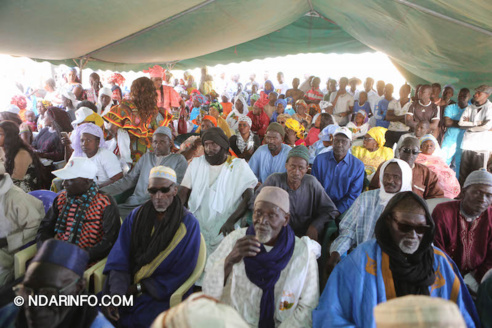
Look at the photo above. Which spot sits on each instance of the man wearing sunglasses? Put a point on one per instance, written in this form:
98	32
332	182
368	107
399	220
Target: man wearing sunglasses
56	270
155	253
424	181
464	232
400	261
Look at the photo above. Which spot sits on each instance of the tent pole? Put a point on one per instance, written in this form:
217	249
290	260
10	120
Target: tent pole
439	15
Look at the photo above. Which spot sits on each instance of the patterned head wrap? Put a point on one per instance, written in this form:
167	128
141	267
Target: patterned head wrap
20	101
254	97
46	103
302	103
217	106
297	127
244	118
200	98
281	101
116	78
156	71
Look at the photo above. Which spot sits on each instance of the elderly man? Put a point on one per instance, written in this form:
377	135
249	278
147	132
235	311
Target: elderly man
310	207
82	214
464	227
424	181
400	261
340	173
138	177
270	158
357	225
477	140
57	269
155	253
217	188
19	221
265	272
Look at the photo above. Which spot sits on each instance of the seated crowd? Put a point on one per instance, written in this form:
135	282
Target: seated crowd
306	207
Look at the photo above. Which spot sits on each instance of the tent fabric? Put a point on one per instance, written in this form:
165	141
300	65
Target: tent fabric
439	41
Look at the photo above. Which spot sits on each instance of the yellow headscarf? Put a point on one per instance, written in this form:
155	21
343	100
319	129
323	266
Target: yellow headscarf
378	133
297	127
96	119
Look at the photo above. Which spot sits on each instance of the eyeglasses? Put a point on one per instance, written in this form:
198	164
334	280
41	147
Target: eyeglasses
408	151
406	228
368	138
164	190
21	290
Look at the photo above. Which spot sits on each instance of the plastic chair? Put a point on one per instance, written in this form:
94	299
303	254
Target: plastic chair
92	272
46	196
21	258
177	296
433	202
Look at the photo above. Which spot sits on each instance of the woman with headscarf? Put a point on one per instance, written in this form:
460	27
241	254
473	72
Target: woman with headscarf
294	133
400	261
245	142
47	143
138	116
167	98
372	152
88	141
446	177
104	101
280	104
42	106
265	93
21	102
21	162
359	127
215	110
70	103
116	81
240	109
301	112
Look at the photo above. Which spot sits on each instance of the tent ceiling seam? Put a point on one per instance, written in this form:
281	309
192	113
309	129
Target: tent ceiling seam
152	27
442	16
310	5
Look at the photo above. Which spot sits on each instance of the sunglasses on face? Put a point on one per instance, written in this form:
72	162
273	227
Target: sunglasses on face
412	151
406	228
163	190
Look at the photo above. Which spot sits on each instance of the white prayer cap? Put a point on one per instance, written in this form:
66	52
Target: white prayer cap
78	167
163	172
418	311
200	310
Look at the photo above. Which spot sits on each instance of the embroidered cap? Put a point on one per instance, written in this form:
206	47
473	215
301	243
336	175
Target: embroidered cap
78	167
163	172
343	130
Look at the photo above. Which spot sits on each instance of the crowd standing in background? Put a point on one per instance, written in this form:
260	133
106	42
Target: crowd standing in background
309	202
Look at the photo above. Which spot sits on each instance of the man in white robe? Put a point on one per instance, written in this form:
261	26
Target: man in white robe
266	273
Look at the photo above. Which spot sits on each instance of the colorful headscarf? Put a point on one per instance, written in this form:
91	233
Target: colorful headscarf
254	98
281	101
297	127
363	112
89	128
156	71
217	105
116	78
302	103
314	108
268	91
46	103
378	133
214	94
20	101
211	119
198	97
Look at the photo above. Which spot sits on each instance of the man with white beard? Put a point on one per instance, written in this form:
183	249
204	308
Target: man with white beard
400	261
266	273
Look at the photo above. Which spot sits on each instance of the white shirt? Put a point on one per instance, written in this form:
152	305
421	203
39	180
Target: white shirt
297	286
373	98
107	163
477	141
282	88
395	106
343	103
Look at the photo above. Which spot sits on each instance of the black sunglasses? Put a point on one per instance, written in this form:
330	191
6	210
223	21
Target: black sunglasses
164	190
408	151
406	228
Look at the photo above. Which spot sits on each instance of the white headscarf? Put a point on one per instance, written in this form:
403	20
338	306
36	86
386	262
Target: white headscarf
69	95
406	179
245	104
106	92
89	128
